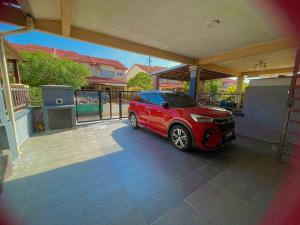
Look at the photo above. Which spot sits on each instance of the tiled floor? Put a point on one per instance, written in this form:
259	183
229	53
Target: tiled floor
112	174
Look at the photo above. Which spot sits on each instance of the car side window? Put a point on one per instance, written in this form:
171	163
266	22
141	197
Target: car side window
157	99
144	98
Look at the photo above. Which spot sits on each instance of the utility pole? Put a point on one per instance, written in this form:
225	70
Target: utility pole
149	64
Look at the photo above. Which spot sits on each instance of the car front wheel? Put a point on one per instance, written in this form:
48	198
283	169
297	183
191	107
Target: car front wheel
133	121
180	138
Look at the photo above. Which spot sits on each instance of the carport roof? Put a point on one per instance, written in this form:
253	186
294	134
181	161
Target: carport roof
235	35
182	73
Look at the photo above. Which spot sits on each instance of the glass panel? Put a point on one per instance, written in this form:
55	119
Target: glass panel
126	98
106	73
156	99
115	106
105	104
87	106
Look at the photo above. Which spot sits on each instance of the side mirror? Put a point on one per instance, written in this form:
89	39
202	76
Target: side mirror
165	105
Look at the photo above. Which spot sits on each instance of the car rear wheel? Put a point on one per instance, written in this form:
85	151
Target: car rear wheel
180	138
133	121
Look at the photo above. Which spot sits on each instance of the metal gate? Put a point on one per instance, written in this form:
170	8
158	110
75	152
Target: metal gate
92	105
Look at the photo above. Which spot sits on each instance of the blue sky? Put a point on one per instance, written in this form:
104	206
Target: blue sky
125	57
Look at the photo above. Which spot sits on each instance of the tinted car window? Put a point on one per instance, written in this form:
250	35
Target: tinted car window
156	99
180	100
136	97
144	98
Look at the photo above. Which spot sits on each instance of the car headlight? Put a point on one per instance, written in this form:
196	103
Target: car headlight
202	119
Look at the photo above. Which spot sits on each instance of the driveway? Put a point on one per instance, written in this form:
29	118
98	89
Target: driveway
108	173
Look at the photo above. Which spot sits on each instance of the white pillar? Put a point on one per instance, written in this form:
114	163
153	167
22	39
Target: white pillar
239	90
7	91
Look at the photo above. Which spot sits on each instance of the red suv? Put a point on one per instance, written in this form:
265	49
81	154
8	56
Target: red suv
177	116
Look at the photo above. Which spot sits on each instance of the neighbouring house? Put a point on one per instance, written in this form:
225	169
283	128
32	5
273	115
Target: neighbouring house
163	83
226	82
106	74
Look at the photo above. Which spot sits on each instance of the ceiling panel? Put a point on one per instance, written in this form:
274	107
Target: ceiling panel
178	26
45	9
174	25
273	60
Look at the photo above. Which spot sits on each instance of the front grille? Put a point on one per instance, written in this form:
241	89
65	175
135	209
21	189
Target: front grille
226	126
223	120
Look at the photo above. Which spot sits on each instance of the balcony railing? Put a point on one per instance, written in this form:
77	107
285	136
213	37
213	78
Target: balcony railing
20	96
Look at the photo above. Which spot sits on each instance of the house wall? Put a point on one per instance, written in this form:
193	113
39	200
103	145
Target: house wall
94	71
264	109
134	70
113	70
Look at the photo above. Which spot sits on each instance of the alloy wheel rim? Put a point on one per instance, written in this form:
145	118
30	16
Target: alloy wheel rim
179	138
133	120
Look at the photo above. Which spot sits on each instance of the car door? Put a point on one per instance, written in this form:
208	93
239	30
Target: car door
158	114
143	109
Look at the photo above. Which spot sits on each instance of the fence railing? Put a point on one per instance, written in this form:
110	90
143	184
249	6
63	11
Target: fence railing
20	96
228	101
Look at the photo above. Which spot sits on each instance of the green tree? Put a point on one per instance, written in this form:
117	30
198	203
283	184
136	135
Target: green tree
186	86
213	86
232	89
40	68
141	80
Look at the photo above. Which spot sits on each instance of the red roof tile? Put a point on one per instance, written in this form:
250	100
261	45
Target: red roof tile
171	85
152	68
71	55
229	81
101	80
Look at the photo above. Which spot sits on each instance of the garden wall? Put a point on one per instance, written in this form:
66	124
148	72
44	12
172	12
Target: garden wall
24	127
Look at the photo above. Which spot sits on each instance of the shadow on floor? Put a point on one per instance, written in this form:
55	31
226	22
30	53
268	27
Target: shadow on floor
112	174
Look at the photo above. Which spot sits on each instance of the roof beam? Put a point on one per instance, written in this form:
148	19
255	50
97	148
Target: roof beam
25	6
268	72
221	69
12	51
66	17
275	45
15	16
12	15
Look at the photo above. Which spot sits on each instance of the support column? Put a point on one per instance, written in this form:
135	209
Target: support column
16	71
14	145
193	81
155	82
201	89
239	90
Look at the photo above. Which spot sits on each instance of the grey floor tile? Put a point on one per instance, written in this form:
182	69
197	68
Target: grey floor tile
111	174
179	215
227	209
200	198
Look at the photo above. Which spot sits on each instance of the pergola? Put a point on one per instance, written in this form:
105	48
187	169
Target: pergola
13	57
182	73
213	38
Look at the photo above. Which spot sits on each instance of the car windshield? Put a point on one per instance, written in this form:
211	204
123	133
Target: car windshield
180	100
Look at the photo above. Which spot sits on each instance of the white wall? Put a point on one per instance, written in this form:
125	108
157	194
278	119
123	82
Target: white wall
282	81
264	108
134	70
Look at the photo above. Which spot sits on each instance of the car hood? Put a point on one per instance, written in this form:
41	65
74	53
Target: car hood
206	111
